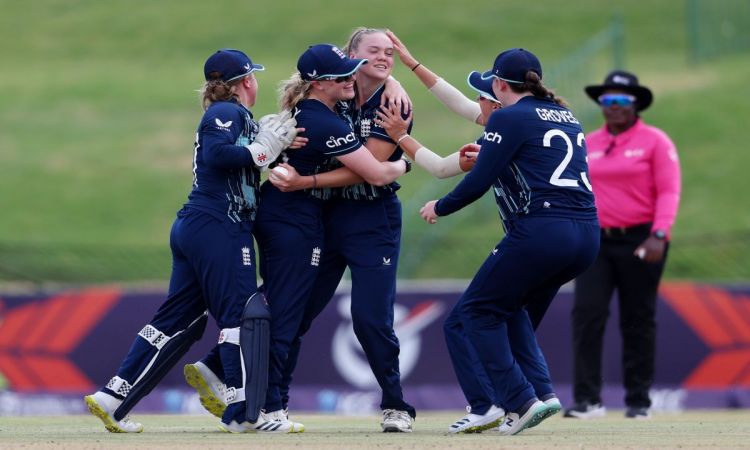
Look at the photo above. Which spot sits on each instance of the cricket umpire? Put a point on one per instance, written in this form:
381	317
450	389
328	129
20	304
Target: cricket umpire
635	174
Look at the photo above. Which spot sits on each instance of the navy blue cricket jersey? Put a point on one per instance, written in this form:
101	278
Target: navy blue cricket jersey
225	178
534	154
362	120
328	136
510	191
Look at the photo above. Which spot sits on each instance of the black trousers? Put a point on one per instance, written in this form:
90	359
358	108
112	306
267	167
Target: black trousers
636	282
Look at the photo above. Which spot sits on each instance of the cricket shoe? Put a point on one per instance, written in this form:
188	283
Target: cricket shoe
634	412
554	405
476	423
211	391
553	402
395	421
273	422
515	423
586	411
102	405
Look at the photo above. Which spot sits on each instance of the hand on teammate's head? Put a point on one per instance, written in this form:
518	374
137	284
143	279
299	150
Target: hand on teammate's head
403	53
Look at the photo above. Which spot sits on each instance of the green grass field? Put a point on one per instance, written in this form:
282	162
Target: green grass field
697	429
100	107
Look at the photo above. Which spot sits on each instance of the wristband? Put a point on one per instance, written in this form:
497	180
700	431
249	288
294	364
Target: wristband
315	181
415	67
398	141
408	165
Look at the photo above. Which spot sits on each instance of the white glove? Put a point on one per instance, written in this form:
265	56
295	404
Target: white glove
276	133
266	119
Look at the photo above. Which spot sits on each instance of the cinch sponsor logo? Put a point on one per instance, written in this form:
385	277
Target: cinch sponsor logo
493	137
334	142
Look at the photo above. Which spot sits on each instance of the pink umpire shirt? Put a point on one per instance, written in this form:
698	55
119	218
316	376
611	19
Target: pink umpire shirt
635	176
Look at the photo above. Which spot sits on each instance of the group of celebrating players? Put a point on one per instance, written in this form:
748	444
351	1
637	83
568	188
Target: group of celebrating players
332	156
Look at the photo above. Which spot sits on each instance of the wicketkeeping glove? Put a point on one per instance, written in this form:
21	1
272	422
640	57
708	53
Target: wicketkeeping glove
276	133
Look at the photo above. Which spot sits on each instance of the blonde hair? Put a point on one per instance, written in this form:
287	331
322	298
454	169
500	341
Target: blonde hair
218	90
352	44
293	91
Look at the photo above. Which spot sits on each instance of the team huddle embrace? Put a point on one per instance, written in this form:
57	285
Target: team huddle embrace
332	156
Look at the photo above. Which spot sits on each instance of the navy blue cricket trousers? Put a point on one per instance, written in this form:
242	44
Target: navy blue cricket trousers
289	230
366	237
534	259
475	383
210	270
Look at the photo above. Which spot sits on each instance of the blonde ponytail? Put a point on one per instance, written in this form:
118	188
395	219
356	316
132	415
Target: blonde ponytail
293	91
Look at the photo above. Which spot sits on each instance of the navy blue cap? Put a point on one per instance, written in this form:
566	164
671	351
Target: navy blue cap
230	64
326	61
512	65
482	85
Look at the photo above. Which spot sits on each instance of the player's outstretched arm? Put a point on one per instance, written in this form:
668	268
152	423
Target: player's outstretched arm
290	180
425	75
441	167
448	95
378	173
373	167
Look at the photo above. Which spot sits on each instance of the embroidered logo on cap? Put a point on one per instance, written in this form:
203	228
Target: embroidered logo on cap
620	80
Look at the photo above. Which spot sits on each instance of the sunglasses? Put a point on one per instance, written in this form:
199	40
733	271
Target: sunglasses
616	99
342	79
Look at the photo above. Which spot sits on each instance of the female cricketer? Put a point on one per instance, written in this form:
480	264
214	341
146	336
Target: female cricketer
534	150
483	411
290	226
213	261
363	232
